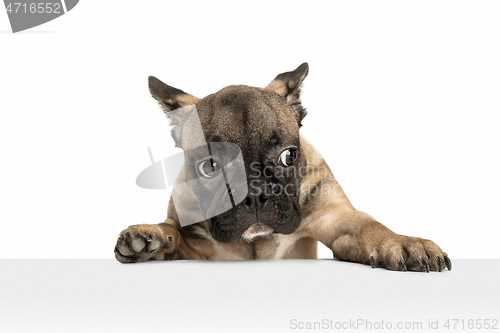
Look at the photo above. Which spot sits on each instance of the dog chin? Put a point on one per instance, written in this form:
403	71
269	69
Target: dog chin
256	232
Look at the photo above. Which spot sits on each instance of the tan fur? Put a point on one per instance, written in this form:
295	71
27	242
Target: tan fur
186	99
278	87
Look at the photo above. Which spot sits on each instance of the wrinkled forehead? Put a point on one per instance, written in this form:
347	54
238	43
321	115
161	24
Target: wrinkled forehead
246	116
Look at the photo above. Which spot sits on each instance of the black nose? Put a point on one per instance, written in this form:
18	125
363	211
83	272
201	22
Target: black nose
256	202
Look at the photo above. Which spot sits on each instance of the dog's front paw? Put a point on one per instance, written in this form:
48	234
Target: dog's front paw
142	242
403	253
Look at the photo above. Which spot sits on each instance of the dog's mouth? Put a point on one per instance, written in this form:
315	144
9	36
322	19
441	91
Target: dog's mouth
257	231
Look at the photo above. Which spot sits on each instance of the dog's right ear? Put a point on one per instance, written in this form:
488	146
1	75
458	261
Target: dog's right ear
170	99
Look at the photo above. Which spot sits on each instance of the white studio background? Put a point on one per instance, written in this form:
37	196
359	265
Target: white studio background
403	102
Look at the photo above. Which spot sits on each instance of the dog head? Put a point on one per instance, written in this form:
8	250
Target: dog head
264	124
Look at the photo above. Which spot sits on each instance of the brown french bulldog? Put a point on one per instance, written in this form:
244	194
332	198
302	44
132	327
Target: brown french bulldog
265	123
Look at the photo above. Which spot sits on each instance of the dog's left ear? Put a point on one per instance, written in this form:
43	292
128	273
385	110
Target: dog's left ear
288	85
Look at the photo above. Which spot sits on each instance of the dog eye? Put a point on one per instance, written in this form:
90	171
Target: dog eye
288	157
208	168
